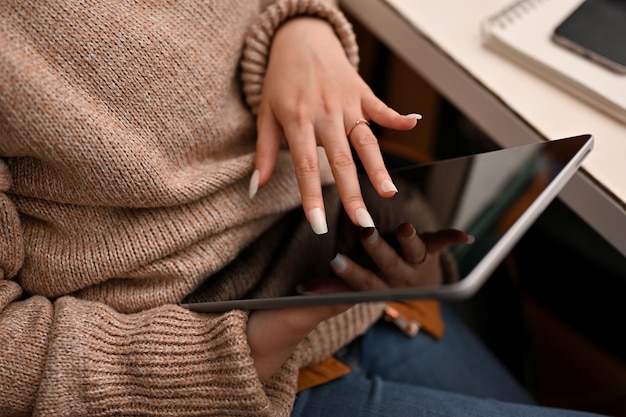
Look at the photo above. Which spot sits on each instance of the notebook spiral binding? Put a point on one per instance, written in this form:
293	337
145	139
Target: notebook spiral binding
512	13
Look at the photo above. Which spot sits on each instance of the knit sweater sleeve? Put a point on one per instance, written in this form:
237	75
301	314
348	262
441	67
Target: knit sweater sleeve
78	357
75	357
258	41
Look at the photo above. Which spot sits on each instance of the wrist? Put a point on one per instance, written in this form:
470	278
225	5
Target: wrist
260	36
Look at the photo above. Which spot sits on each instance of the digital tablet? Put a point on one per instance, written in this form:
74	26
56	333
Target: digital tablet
495	196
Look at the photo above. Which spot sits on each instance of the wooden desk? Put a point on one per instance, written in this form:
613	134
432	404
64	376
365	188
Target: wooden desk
441	41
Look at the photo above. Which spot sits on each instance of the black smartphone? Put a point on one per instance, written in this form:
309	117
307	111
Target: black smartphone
596	30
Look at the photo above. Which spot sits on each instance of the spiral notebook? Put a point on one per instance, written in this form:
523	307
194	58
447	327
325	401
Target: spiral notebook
522	32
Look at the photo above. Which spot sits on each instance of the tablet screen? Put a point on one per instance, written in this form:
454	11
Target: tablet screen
495	196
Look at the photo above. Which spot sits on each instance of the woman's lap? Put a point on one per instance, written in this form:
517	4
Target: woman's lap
394	375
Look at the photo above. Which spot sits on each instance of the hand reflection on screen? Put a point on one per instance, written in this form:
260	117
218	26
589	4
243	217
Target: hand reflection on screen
405	260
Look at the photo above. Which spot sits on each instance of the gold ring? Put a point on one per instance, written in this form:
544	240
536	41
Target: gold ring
355	124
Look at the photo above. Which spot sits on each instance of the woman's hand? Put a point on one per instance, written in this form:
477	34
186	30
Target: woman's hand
414	263
313	96
273	335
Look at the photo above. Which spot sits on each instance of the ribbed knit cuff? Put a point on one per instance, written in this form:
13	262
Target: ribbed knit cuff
23	341
258	42
5	176
11	243
165	361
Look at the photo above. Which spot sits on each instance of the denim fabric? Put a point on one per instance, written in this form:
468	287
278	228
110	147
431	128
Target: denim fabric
397	376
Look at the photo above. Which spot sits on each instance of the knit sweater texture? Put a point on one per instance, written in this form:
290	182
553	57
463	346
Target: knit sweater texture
127	139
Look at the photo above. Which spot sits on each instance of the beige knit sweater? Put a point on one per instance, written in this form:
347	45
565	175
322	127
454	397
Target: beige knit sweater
127	139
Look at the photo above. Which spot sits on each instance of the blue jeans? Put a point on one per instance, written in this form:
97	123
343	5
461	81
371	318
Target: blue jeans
397	376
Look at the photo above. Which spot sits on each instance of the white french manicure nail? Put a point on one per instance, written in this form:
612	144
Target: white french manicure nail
254	184
416	116
388	186
338	264
318	221
364	218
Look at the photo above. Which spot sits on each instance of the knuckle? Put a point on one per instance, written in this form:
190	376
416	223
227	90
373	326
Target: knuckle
377	172
324	122
342	162
307	165
329	106
368	282
379	107
366	140
295	111
391	264
297	114
351	197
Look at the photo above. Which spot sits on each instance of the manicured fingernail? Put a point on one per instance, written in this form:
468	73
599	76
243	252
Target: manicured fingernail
254	184
318	221
410	229
338	264
373	237
388	186
364	218
470	239
415	116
